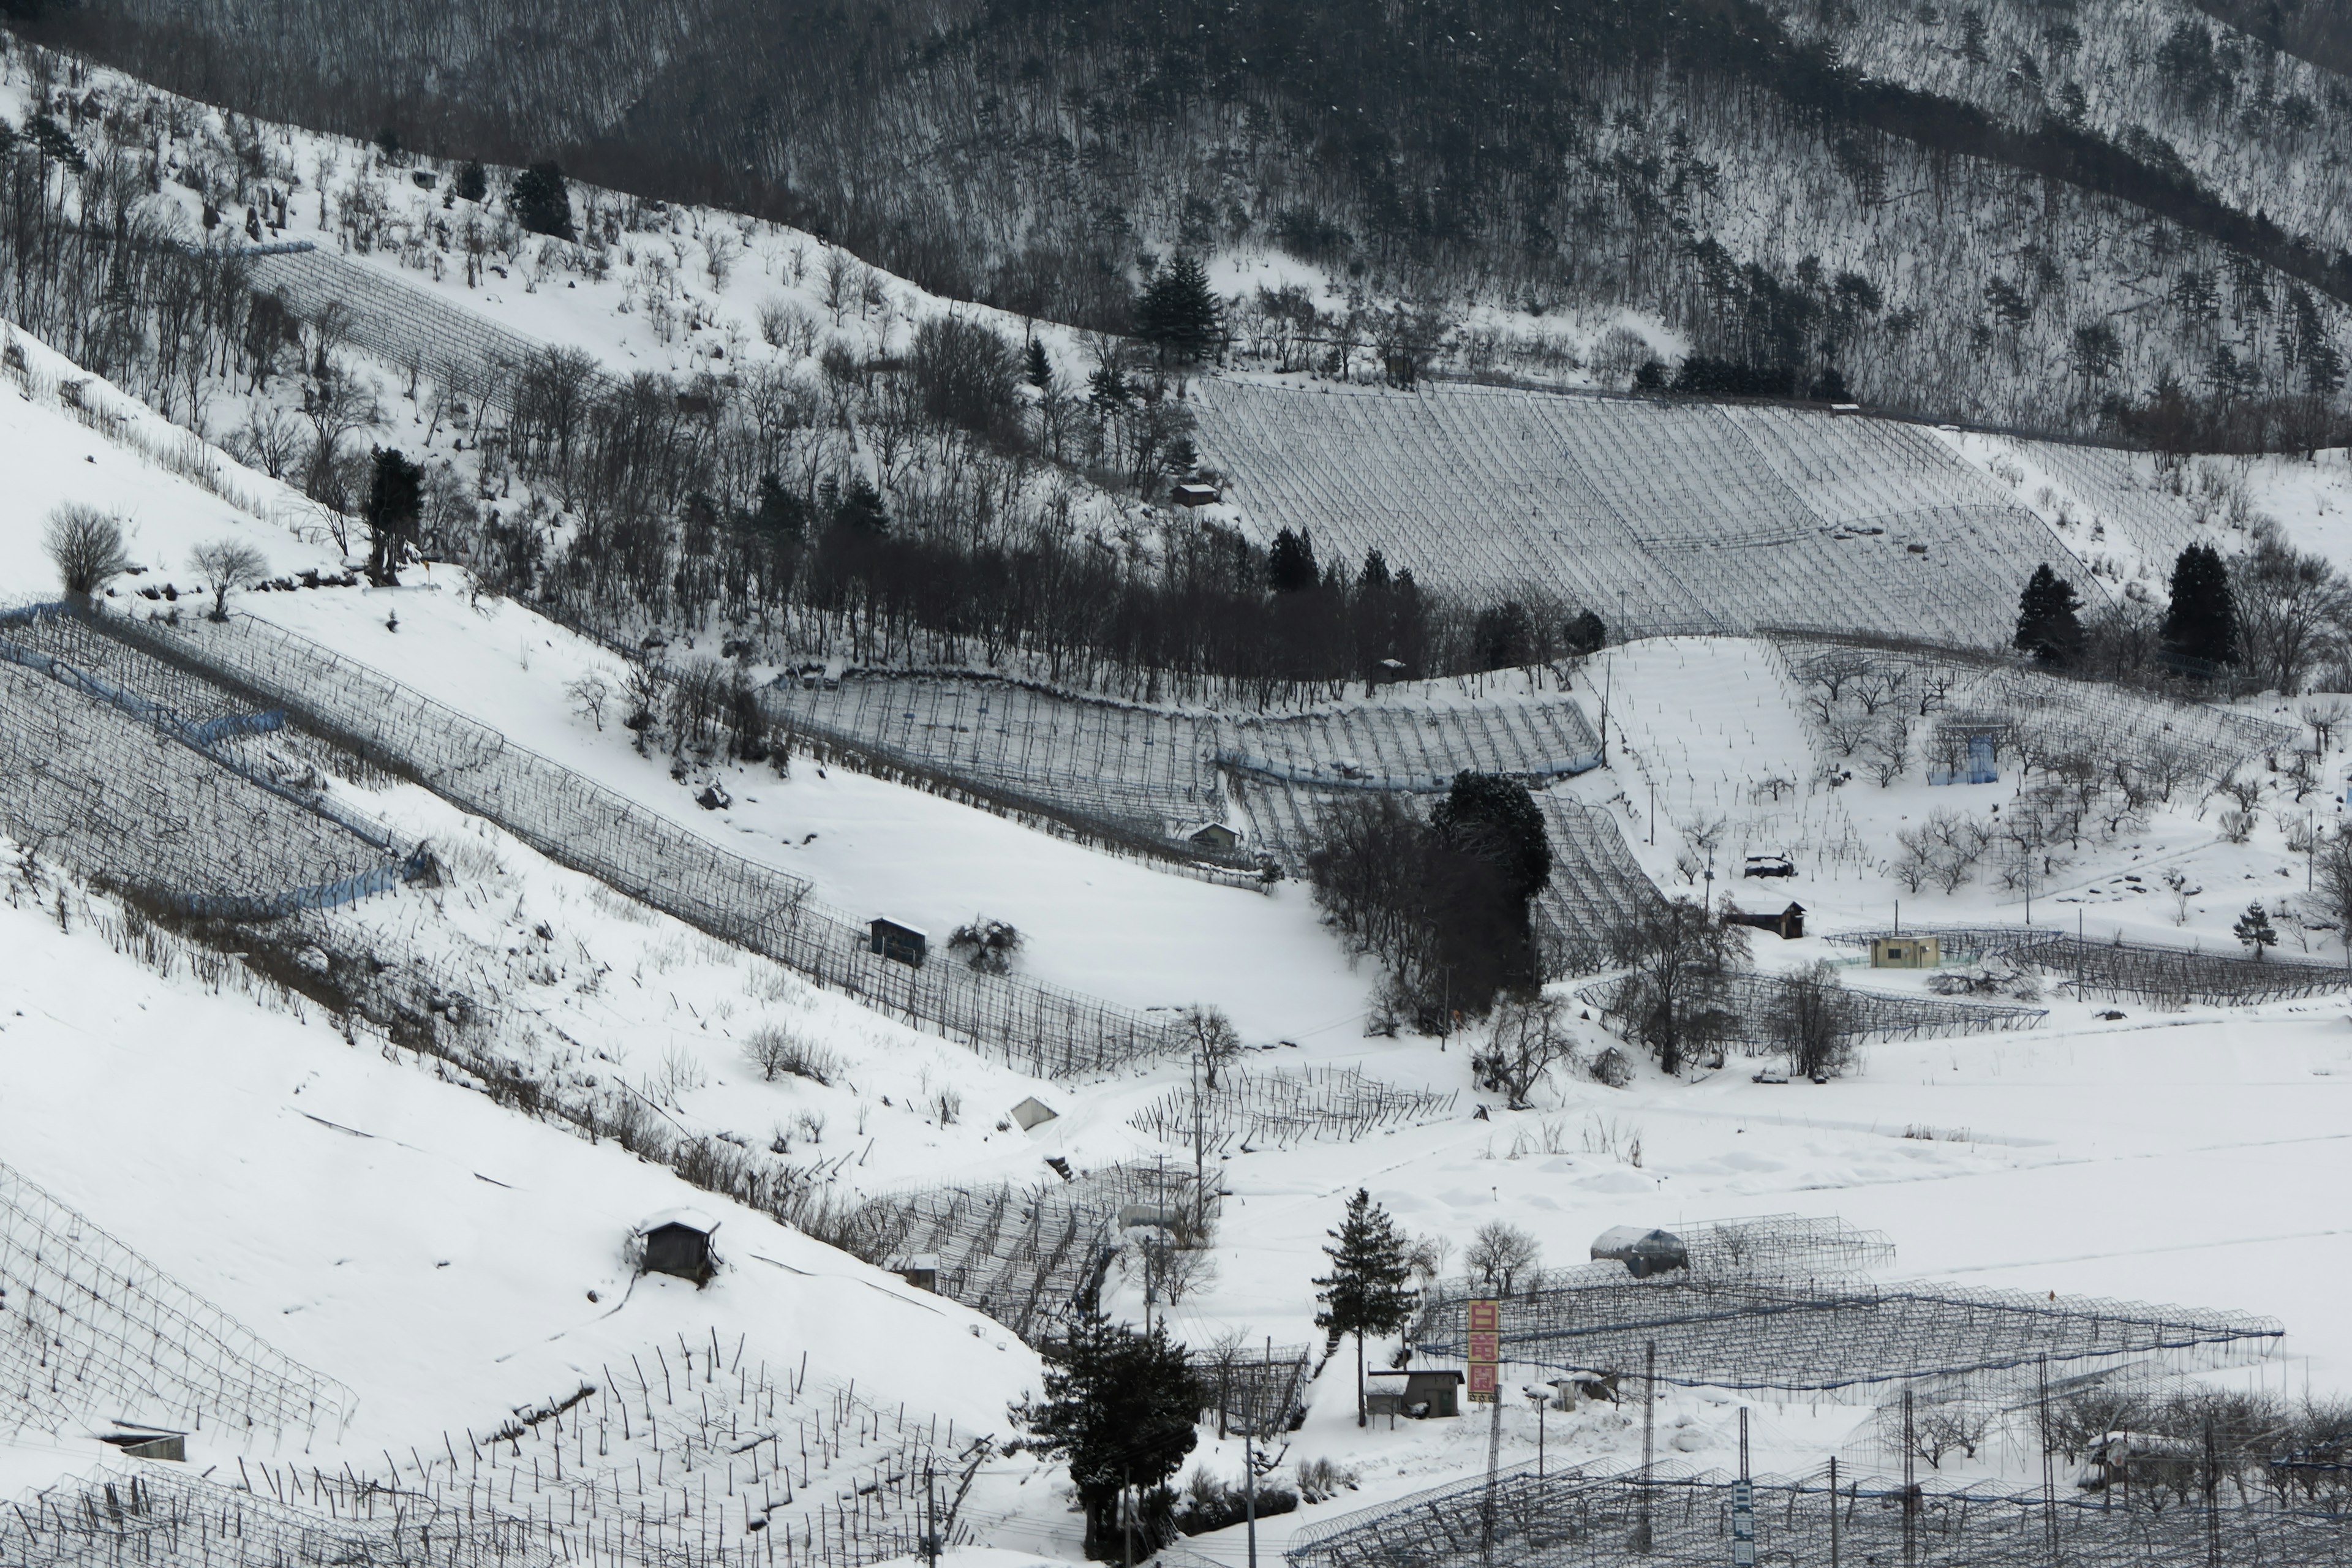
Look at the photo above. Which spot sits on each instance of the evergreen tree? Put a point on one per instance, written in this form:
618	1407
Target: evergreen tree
542	202
1496	817
1374	577
395	501
1584	633
2047	625
860	509
1037	368
776	513
473	182
2200	627
1179	312
2255	929
1291	564
1364	1293
1120	1408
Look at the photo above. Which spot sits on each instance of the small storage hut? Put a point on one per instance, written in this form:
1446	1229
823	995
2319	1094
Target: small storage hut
1905	952
900	943
678	1242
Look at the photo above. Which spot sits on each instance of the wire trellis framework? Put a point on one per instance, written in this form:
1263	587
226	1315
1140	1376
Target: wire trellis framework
2120	970
90	1334
582	824
1755	1002
1250	1111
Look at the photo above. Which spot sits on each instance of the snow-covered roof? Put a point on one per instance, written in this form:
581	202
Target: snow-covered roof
1625	1238
692	1218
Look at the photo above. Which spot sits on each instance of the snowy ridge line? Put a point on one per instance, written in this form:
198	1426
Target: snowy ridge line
583	824
96	1334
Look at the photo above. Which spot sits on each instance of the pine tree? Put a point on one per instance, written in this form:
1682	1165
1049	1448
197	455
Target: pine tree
473	182
1037	368
1374	577
542	202
1179	312
860	509
395	501
2200	628
1120	1408
1291	564
2047	625
2255	929
1364	1293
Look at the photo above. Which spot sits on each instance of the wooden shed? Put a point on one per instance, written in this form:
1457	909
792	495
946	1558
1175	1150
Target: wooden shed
1788	924
678	1242
1033	1113
1214	835
900	943
1193	495
921	1270
1421	1392
1905	952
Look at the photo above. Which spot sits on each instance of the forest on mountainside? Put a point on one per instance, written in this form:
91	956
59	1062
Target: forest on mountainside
1956	244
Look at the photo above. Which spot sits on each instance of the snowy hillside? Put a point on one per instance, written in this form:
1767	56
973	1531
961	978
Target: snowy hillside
664	900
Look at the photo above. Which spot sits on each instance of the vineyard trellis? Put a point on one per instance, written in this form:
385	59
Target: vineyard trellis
1832	1337
1753	1006
1250	1111
1664	517
1028	1255
690	1454
2120	971
190	812
1159	771
90	1334
1669	1514
580	824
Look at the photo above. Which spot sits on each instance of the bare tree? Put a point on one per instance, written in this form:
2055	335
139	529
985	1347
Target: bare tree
87	547
589	694
1675	950
1498	1254
1528	1038
1214	1040
225	565
1814	1020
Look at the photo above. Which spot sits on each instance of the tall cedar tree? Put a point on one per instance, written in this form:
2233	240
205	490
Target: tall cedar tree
1491	829
1364	1293
2200	628
473	182
1178	314
2047	625
1291	564
395	500
1120	1407
542	202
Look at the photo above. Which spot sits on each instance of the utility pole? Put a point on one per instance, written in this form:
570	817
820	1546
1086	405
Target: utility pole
1910	1485
2049	1471
1833	1513
1649	1439
930	1513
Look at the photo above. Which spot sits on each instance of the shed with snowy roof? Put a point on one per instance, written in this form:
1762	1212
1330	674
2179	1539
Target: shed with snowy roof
678	1242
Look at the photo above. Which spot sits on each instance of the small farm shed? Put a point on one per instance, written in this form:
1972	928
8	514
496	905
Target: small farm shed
1905	952
1033	1113
678	1242
921	1270
1194	495
1642	1252
1214	835
1788	924
1417	1391
900	943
